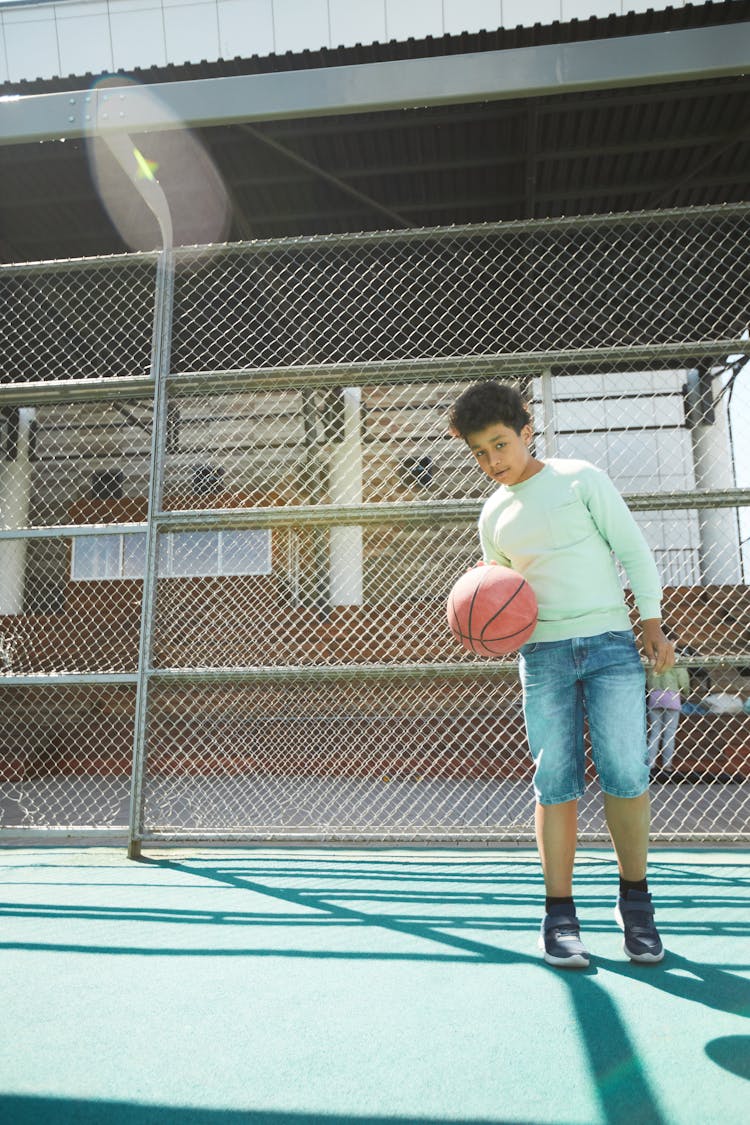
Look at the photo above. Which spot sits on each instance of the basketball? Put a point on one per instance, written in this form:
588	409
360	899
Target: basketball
492	610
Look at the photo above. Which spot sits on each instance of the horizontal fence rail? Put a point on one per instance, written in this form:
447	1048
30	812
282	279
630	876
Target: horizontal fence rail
232	513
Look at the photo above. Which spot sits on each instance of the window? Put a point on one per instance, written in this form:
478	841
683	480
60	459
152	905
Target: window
98	556
182	554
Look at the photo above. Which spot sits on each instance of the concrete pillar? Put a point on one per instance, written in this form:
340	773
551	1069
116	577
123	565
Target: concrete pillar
345	487
719	538
15	494
548	427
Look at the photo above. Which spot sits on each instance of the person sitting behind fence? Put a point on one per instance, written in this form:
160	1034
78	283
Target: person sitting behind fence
666	691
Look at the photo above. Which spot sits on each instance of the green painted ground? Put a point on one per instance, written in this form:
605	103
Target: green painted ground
297	986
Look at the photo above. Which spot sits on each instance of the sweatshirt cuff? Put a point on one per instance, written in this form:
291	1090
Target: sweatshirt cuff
648	608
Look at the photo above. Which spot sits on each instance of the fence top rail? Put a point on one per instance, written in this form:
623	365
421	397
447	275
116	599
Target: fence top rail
409	234
66	265
482	230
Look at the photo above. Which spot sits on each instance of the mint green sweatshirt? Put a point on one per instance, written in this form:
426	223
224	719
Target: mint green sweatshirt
561	529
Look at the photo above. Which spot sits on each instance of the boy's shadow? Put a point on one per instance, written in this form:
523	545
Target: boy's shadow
702	984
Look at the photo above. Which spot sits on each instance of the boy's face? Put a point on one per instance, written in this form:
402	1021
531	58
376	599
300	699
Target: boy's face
503	454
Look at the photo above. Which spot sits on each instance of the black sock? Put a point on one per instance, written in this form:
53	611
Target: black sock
626	885
551	901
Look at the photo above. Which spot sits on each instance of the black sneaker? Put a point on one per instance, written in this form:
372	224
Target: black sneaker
635	916
560	938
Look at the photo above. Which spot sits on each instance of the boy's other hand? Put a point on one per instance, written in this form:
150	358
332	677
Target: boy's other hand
659	650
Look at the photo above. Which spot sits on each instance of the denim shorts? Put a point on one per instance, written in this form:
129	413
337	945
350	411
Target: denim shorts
602	678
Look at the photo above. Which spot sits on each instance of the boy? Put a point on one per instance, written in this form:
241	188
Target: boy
558	523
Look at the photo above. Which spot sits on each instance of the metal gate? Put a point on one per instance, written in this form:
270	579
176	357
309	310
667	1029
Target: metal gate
232	513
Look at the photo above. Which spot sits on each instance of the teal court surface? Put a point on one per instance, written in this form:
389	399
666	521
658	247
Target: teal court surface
308	985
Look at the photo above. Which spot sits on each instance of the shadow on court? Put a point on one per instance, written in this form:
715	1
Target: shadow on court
458	913
64	1111
622	1085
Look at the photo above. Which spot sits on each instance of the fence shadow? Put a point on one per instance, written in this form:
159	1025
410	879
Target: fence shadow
458	912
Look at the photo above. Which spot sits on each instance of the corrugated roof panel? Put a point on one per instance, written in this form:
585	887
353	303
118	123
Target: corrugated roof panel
607	27
622	149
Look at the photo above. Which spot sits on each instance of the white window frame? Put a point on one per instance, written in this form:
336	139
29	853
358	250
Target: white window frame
166	556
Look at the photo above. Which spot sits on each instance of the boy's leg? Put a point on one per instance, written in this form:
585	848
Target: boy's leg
628	821
556	835
553	711
615	702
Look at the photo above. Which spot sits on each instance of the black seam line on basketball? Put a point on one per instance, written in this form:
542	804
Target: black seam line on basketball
501	636
502	608
477	588
458	632
453	620
506	636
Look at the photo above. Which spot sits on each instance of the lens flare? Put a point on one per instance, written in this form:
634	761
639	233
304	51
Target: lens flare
159	187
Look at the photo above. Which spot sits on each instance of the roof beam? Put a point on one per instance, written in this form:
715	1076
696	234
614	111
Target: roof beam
559	68
510	109
290	156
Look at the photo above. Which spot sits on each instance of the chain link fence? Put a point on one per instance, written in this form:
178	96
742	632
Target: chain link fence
232	513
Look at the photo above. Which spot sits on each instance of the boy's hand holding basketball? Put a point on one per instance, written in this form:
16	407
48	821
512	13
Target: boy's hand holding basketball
659	650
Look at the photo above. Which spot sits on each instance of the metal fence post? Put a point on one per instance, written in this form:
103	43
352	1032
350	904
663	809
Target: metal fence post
160	364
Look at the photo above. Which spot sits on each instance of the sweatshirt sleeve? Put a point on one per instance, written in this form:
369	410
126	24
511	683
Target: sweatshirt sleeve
617	527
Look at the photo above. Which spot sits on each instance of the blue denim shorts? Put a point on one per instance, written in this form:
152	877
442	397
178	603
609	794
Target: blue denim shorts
602	678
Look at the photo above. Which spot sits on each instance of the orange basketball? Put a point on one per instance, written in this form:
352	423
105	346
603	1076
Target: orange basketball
492	610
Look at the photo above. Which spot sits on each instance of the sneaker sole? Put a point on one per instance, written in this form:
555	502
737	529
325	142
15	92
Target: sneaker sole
575	961
642	958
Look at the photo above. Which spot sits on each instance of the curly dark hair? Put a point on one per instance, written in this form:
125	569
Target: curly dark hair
485	403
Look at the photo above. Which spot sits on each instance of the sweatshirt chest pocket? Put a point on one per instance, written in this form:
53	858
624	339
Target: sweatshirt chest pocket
568	523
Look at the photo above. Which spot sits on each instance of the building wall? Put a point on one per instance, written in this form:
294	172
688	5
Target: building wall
47	40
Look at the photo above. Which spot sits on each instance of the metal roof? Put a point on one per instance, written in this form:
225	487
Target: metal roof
590	152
